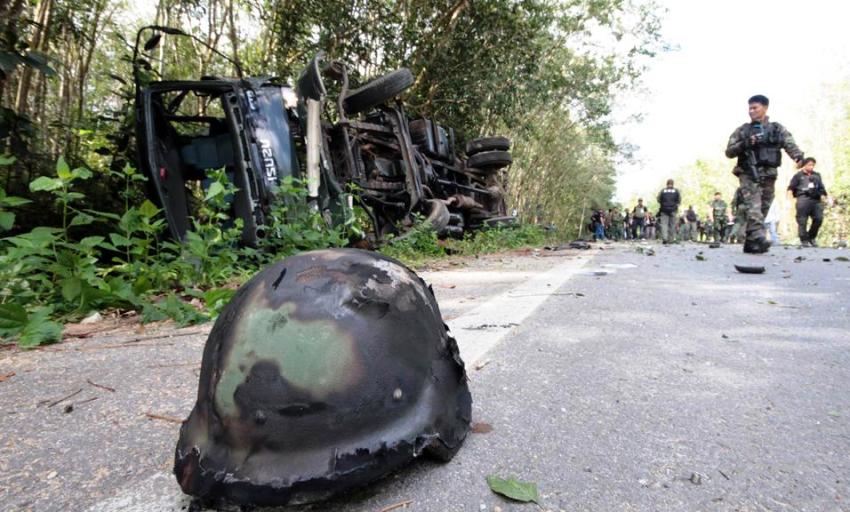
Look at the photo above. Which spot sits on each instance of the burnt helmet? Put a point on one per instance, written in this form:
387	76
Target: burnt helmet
326	371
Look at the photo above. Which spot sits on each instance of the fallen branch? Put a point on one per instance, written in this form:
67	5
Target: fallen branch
160	336
101	386
163	418
400	504
75	393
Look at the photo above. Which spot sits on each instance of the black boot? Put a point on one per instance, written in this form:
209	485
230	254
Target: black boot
757	246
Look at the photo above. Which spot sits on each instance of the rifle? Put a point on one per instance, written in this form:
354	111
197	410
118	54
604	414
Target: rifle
752	165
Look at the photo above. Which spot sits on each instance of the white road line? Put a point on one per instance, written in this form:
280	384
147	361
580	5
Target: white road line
476	331
481	329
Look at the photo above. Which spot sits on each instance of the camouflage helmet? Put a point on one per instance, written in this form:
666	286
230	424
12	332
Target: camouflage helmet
326	371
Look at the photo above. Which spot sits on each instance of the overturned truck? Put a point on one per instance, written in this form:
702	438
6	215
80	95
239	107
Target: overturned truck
358	147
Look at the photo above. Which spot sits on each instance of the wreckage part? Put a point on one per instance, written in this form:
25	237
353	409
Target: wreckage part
455	219
314	134
501	222
326	371
377	91
482	144
489	160
438	215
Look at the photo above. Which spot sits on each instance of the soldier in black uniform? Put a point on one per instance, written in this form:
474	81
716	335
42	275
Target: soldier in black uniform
668	201
807	186
762	140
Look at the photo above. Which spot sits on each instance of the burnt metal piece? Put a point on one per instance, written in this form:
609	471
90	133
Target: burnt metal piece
327	371
749	270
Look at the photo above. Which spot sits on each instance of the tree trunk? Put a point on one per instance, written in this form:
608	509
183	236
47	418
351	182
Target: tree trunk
38	43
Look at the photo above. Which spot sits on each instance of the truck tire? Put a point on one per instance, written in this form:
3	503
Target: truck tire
438	215
489	160
377	91
476	146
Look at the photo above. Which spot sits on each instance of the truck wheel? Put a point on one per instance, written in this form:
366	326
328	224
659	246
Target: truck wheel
489	160
438	215
476	146
377	91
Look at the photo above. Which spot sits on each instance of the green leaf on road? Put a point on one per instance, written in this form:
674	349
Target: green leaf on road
514	489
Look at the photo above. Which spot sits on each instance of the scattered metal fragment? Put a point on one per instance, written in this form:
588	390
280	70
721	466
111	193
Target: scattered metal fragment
744	269
297	397
482	364
482	327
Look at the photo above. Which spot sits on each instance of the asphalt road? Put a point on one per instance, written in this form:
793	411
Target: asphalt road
637	382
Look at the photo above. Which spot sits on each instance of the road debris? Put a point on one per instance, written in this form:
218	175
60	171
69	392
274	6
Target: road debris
482	364
483	327
744	269
92	319
7	376
51	403
101	386
353	397
170	419
394	506
481	428
695	479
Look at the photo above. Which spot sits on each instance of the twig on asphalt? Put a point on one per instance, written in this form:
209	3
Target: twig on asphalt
75	393
86	349
159	336
176	365
163	418
101	386
4	378
400	504
87	400
724	474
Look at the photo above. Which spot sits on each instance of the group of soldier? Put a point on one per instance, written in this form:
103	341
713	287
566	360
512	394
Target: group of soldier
720	224
749	219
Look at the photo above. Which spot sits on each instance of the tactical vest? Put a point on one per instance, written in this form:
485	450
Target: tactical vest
768	152
667	200
718	207
808	186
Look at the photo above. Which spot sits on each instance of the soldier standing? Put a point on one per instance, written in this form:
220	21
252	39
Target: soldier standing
691	219
717	216
757	146
807	186
739	213
638	217
668	201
